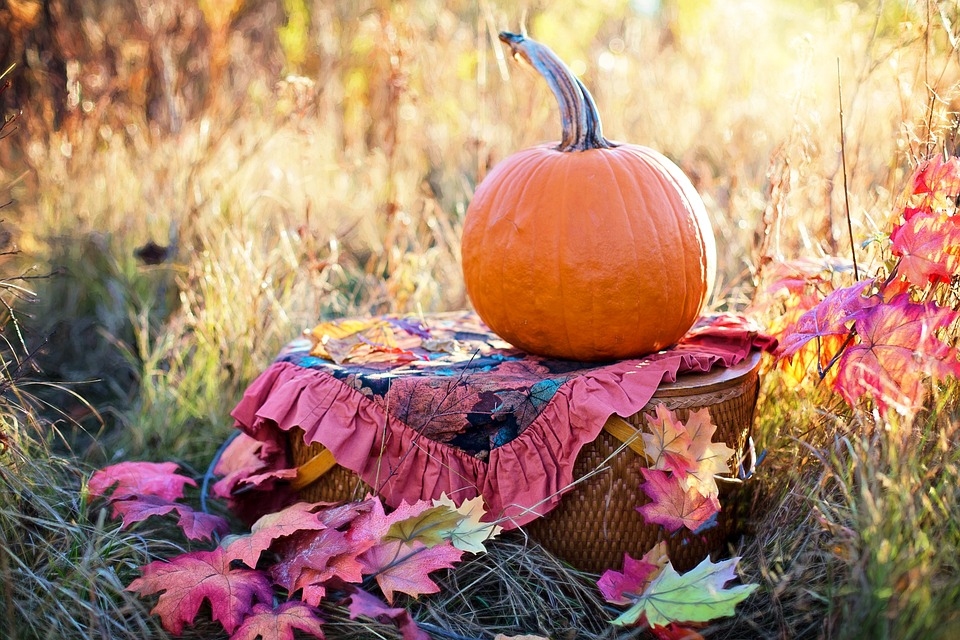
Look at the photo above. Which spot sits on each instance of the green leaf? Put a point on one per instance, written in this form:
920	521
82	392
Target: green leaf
431	527
696	596
470	532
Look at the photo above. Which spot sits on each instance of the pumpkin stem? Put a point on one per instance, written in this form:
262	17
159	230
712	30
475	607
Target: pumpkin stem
578	112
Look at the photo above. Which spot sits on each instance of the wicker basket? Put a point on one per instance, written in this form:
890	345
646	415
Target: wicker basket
597	521
328	481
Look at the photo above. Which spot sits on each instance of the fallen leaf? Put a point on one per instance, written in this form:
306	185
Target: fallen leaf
405	567
470	532
140	479
310	559
300	516
188	580
672	504
268	623
698	595
369	606
625	587
196	525
431	526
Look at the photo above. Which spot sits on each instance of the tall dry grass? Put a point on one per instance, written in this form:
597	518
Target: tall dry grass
340	189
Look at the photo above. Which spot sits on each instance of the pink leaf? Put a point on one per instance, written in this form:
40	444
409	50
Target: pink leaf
141	479
667	444
937	175
278	624
672	505
405	567
295	518
616	586
309	560
185	582
898	350
929	248
831	317
255	475
364	604
196	525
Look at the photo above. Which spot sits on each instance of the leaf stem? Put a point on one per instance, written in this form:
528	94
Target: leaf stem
823	369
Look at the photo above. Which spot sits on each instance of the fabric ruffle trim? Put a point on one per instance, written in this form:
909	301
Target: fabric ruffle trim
520	481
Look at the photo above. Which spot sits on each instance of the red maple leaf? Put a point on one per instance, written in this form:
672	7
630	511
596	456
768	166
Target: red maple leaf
243	458
898	349
336	516
278	624
832	316
405	566
186	581
616	587
672	504
365	604
310	559
140	479
253	473
937	175
929	248
196	525
297	517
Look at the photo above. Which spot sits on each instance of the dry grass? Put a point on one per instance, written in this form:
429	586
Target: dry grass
286	201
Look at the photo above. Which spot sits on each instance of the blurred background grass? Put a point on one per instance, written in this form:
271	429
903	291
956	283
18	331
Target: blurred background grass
193	183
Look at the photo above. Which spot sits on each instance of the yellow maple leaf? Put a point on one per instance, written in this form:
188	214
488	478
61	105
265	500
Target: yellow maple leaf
710	458
470	533
668	442
341	340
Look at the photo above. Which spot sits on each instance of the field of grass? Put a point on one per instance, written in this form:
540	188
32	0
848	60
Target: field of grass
301	160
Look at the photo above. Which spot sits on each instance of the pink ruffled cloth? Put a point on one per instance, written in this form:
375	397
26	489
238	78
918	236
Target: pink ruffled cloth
523	463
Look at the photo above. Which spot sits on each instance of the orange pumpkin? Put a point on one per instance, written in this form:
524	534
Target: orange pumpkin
590	249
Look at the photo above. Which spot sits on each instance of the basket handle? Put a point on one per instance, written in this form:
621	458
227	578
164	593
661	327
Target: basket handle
313	469
624	432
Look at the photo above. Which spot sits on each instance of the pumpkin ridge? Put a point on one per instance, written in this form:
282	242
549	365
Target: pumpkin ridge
562	211
630	224
517	178
684	236
629	161
682	183
532	198
676	235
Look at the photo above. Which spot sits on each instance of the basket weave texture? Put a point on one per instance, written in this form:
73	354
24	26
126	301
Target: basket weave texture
597	522
337	485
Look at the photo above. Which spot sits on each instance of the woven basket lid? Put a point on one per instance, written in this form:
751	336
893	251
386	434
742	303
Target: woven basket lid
717	379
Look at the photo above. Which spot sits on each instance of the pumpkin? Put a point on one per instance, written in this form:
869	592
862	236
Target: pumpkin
590	249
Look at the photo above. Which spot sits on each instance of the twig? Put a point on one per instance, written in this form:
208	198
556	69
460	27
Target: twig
846	188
